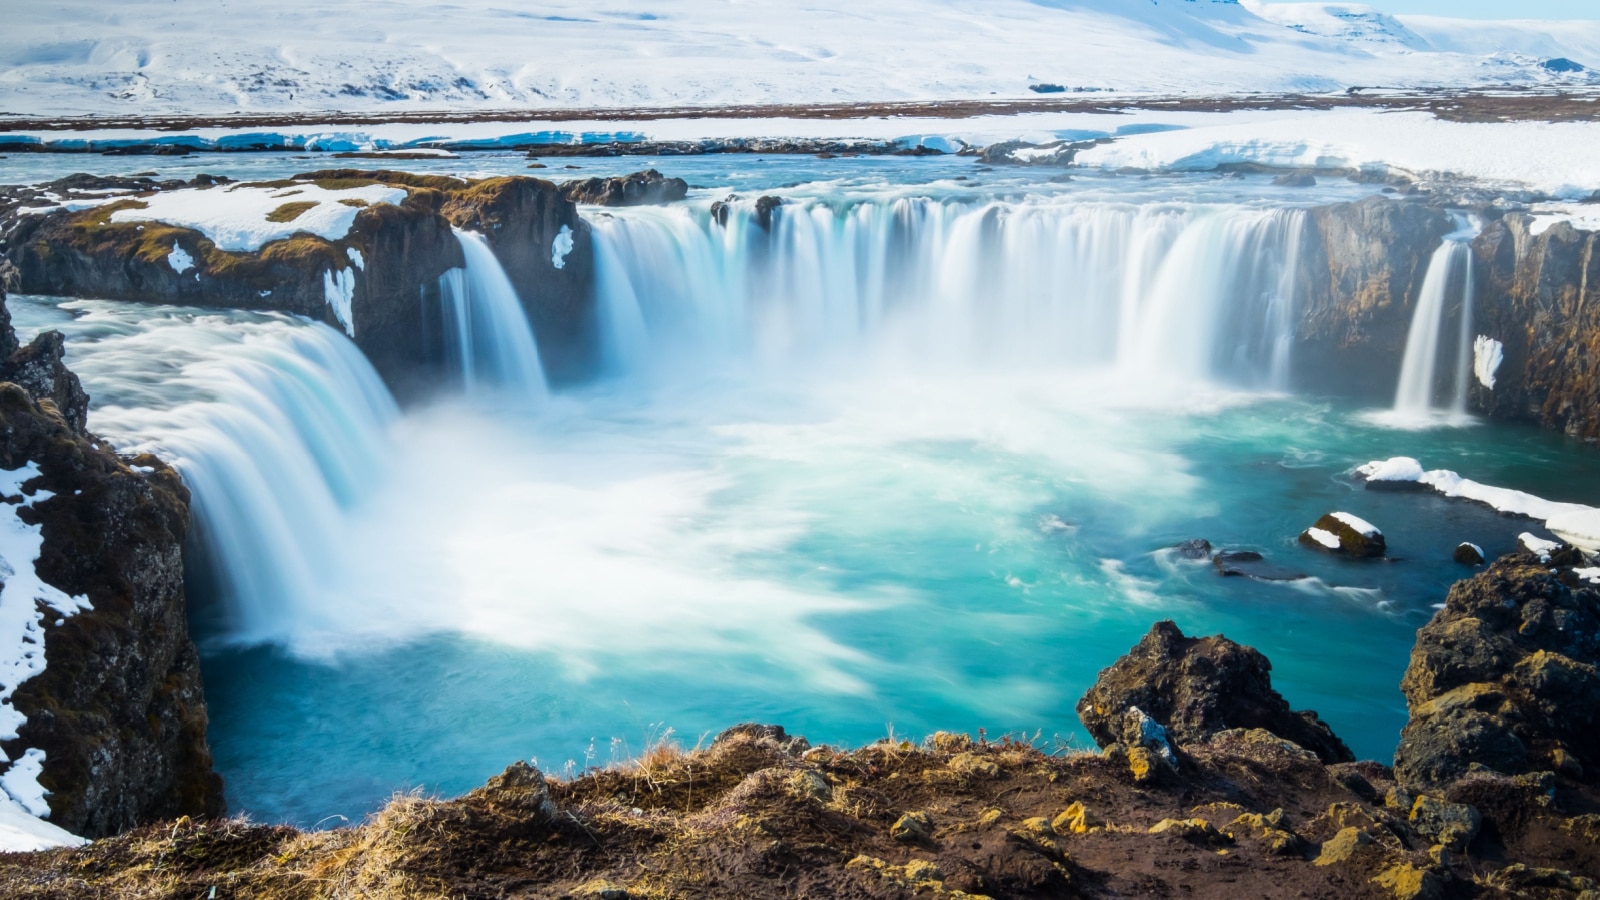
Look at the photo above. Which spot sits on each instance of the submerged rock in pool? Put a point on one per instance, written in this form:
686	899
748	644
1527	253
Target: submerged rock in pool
1346	535
1196	548
1197	688
1250	564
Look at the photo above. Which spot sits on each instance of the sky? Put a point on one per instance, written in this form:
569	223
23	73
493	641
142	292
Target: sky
1494	9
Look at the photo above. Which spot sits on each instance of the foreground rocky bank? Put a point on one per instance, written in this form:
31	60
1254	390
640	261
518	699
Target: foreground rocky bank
102	692
1207	783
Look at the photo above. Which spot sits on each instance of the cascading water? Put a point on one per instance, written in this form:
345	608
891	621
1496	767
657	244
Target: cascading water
280	430
487	334
1418	393
1164	291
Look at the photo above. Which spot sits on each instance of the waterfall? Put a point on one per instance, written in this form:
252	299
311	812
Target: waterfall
1180	291
278	428
487	335
1449	276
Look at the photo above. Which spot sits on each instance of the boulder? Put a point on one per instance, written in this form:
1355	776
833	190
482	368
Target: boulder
638	189
1296	179
1195	688
1469	554
1345	534
1506	676
1196	548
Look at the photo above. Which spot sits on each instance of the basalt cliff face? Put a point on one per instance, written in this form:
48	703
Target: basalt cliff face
1539	296
118	710
1362	267
386	268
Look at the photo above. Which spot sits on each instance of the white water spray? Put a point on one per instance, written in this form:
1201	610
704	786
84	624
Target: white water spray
1166	291
486	329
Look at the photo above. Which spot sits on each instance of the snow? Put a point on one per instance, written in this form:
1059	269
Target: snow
1400	468
1556	158
1538	546
1575	523
23	833
235	218
1325	538
1578	527
1584	217
149	57
21	783
179	259
356	259
560	247
1487	354
22	657
1591	575
1361	526
340	289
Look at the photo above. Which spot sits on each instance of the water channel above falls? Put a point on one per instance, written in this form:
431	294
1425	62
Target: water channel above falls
909	470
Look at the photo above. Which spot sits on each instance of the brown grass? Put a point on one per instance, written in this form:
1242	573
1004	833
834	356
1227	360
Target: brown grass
288	212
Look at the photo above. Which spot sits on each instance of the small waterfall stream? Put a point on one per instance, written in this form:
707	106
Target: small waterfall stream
1447	288
487	334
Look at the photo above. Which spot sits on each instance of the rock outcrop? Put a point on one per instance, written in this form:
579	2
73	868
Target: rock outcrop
1539	298
528	222
379	282
118	710
1506	678
1345	535
1196	688
638	189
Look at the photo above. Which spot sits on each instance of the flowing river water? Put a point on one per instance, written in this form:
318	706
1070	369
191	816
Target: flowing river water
910	460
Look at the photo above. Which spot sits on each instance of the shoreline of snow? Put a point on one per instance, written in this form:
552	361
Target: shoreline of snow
1575	523
1555	159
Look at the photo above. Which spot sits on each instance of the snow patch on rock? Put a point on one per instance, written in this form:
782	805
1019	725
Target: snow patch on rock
560	247
1487	354
235	218
340	290
1325	538
1538	546
356	259
179	259
1362	526
23	599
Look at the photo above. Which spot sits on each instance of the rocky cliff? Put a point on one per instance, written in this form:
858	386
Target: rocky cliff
379	281
117	712
1539	296
1362	267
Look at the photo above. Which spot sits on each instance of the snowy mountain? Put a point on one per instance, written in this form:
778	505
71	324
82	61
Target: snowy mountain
134	57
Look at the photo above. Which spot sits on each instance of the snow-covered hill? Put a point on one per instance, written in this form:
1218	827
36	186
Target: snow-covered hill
132	57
